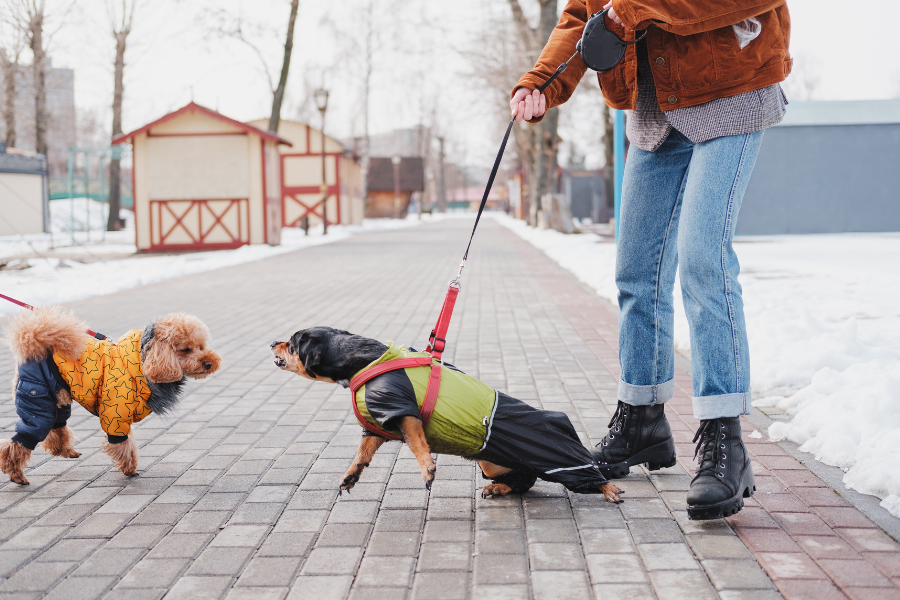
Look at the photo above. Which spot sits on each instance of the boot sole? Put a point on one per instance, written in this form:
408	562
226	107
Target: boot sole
728	507
656	457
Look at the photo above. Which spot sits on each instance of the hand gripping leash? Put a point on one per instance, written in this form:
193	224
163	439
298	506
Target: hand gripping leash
437	341
93	334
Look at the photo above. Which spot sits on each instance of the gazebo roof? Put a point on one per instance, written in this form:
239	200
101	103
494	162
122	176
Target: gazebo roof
194	107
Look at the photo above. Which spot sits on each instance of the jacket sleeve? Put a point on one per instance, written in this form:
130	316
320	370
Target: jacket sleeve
688	18
559	48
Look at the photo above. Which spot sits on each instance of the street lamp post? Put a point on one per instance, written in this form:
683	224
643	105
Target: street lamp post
396	161
321	96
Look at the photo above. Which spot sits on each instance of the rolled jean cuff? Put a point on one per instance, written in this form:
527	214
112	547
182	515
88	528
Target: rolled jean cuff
723	405
646	395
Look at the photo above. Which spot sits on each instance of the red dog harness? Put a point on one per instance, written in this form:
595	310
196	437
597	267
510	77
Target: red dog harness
437	342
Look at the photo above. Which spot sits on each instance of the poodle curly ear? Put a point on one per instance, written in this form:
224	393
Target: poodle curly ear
159	363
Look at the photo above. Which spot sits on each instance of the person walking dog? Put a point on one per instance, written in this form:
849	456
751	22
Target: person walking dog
698	92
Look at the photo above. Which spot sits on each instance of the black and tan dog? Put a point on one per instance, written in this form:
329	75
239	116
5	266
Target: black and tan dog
513	443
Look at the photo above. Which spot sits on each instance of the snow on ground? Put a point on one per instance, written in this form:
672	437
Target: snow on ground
54	280
823	323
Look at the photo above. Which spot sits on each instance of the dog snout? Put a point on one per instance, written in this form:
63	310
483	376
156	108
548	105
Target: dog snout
208	365
273	344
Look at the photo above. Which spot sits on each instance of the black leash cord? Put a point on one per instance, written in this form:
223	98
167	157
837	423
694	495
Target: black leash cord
490	183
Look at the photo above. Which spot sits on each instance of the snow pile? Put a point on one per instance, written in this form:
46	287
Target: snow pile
82	212
824	331
56	280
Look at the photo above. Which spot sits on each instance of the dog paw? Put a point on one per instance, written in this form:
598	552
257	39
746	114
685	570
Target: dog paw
70	454
19	478
428	476
348	482
611	493
495	490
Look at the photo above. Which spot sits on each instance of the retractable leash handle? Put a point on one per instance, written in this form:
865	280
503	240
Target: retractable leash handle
93	334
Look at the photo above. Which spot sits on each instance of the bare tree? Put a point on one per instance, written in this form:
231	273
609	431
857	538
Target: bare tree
278	94
121	20
542	140
236	27
499	60
9	57
29	18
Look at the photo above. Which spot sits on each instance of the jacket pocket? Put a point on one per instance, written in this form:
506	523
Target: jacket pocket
31	390
696	68
737	65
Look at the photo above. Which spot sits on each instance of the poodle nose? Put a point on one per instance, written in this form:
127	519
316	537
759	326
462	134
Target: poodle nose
207	365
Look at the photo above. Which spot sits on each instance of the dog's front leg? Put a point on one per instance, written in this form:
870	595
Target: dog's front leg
414	436
368	446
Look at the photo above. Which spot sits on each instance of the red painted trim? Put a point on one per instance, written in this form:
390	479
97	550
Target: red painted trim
191	107
237	240
134	202
311	154
337	181
287	192
198	134
265	199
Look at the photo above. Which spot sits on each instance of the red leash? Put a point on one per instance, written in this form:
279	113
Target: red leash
437	341
93	334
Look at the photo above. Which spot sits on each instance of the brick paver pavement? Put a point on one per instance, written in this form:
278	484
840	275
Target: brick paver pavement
237	495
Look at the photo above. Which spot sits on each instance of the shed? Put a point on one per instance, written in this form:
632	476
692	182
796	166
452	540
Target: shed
24	195
301	177
203	181
829	167
389	188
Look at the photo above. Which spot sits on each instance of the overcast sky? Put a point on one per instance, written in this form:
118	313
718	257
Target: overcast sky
848	50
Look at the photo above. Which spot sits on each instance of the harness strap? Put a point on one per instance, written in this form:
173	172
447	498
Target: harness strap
431	394
437	341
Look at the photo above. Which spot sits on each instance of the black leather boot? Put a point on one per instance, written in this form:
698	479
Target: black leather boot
637	434
724	477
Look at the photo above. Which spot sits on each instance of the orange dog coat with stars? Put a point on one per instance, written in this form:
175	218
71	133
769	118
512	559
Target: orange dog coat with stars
107	380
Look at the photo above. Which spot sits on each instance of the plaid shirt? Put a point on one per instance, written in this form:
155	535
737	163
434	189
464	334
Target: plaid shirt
647	126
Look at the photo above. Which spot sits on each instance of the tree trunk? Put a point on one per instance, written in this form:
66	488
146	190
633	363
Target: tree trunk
115	165
547	141
40	88
10	71
278	96
442	181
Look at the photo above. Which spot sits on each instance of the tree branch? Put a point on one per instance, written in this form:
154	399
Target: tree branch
525	31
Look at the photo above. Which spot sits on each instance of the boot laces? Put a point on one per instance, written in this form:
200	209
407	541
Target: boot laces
616	423
710	438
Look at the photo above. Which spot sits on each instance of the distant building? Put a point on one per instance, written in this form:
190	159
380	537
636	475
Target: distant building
60	85
828	167
203	181
390	187
24	198
589	194
301	177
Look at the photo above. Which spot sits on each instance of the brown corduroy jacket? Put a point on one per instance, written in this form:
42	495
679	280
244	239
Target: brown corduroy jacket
694	53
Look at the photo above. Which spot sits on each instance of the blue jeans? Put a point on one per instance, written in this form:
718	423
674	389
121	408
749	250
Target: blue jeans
679	206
